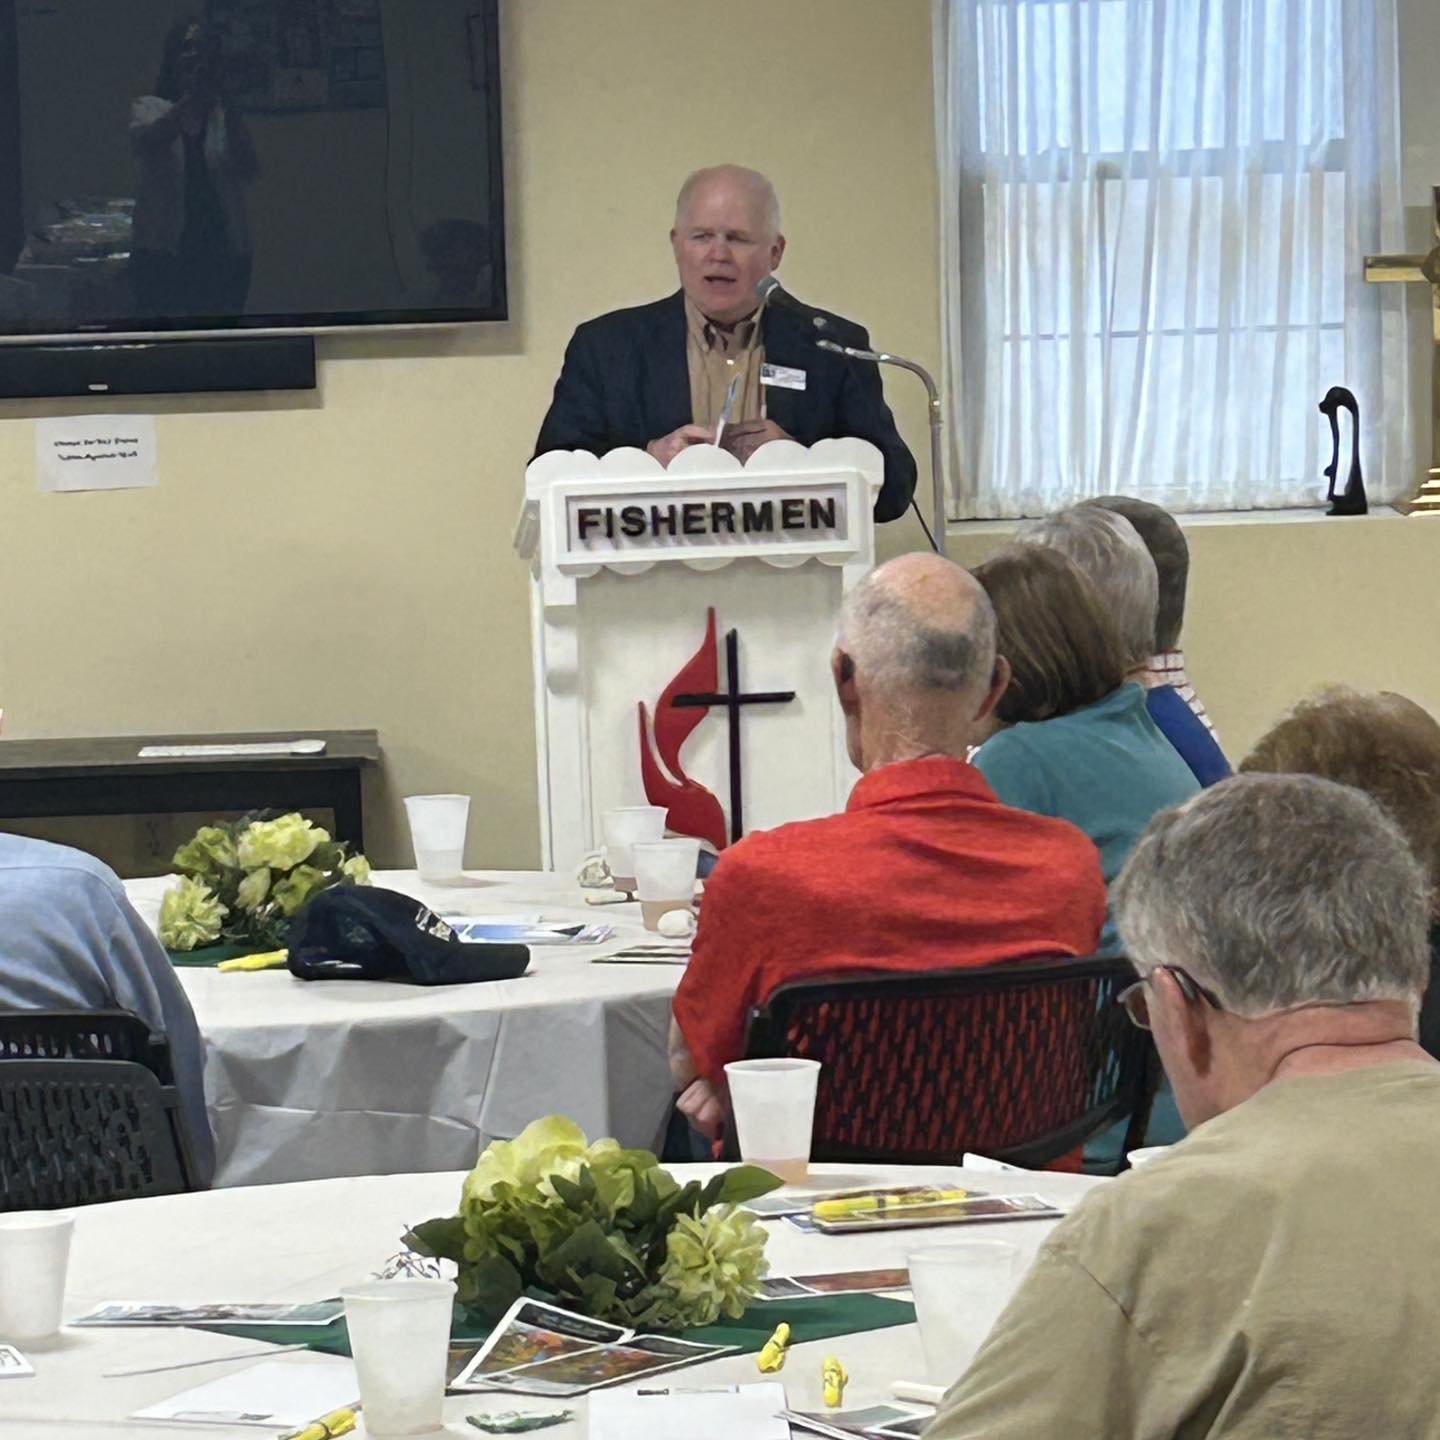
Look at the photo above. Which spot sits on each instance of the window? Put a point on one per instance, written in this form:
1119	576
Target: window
1155	219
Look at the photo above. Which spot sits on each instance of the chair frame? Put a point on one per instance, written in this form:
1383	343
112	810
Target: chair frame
84	1035
111	1051
767	1038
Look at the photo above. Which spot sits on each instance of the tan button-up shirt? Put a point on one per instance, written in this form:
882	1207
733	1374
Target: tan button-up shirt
716	354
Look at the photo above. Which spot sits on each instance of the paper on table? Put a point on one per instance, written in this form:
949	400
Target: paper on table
726	1412
485	931
466	917
199	1315
13	1365
275	1393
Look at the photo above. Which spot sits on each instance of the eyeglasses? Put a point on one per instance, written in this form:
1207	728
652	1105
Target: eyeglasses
1137	1005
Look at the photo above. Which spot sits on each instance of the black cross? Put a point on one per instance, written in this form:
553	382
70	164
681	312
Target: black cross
732	698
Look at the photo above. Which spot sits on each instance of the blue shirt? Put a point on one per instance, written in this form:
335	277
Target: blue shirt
71	940
1106	769
1187	732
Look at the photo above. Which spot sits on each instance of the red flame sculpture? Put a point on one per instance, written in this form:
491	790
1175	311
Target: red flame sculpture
692	809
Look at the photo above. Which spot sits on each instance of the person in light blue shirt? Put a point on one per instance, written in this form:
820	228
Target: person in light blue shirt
1075	739
70	940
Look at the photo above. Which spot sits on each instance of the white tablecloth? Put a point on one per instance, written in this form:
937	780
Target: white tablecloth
303	1242
311	1079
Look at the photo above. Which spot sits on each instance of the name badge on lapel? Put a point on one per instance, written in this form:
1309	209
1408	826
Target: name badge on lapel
784	377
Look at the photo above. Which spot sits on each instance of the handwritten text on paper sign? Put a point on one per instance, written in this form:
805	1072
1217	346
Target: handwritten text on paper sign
96	452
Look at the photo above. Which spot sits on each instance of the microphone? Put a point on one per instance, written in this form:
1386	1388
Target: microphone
878	357
932	392
770	293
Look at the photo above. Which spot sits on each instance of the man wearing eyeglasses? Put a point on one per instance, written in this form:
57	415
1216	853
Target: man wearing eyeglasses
1231	1287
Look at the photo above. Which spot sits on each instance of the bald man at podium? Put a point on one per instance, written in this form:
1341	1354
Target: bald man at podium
661	377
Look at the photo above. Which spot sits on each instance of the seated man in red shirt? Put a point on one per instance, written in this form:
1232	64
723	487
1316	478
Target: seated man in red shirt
925	870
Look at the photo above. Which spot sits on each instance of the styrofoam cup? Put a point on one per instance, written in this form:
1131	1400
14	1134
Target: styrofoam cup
437	831
773	1102
623	827
959	1292
665	877
1145	1154
34	1256
400	1338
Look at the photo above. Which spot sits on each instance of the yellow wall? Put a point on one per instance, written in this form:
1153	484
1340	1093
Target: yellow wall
344	559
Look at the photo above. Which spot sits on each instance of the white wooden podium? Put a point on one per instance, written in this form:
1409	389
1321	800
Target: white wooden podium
627	560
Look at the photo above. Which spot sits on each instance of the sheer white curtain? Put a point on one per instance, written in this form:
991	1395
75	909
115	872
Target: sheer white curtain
1154	220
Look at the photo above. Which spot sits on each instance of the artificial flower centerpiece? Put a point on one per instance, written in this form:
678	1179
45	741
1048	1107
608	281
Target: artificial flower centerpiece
241	882
603	1230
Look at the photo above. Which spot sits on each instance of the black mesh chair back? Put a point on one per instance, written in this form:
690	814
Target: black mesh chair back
87	1111
1023	1062
78	1132
84	1035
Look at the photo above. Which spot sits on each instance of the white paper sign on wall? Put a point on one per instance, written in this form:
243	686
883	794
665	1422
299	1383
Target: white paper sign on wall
96	452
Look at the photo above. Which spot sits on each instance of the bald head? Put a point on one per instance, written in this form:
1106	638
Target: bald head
735	183
919	634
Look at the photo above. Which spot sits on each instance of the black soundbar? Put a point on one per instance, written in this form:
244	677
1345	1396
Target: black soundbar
157	367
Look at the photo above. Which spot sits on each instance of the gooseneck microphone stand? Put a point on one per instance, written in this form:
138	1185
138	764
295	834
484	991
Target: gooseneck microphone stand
937	471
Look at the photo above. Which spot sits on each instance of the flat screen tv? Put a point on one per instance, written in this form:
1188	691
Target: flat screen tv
247	165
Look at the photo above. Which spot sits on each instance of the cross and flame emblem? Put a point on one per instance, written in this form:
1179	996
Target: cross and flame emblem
683	704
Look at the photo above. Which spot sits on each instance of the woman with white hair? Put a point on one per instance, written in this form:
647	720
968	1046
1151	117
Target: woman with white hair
1122	562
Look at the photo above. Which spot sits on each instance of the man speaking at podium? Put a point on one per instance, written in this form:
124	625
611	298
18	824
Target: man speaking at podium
662	376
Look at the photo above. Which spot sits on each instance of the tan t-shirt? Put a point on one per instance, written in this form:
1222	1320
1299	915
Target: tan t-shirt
1276	1277
715	355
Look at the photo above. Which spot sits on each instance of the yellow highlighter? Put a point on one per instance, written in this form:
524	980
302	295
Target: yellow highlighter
772	1354
870	1204
270	960
337	1422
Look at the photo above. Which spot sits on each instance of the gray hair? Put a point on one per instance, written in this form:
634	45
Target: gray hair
903	653
1276	891
1170	551
753	179
1108	550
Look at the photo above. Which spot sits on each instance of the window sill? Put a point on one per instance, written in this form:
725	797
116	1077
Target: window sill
1379	514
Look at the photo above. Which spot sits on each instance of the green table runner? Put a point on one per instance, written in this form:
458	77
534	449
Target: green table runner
819	1319
212	955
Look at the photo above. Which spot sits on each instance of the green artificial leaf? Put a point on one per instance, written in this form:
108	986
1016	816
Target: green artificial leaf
576	1196
587	1250
680	1202
640	1213
746	1182
444	1238
489	1287
599	1294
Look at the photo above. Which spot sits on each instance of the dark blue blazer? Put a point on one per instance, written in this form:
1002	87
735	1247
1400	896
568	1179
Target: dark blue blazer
626	381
